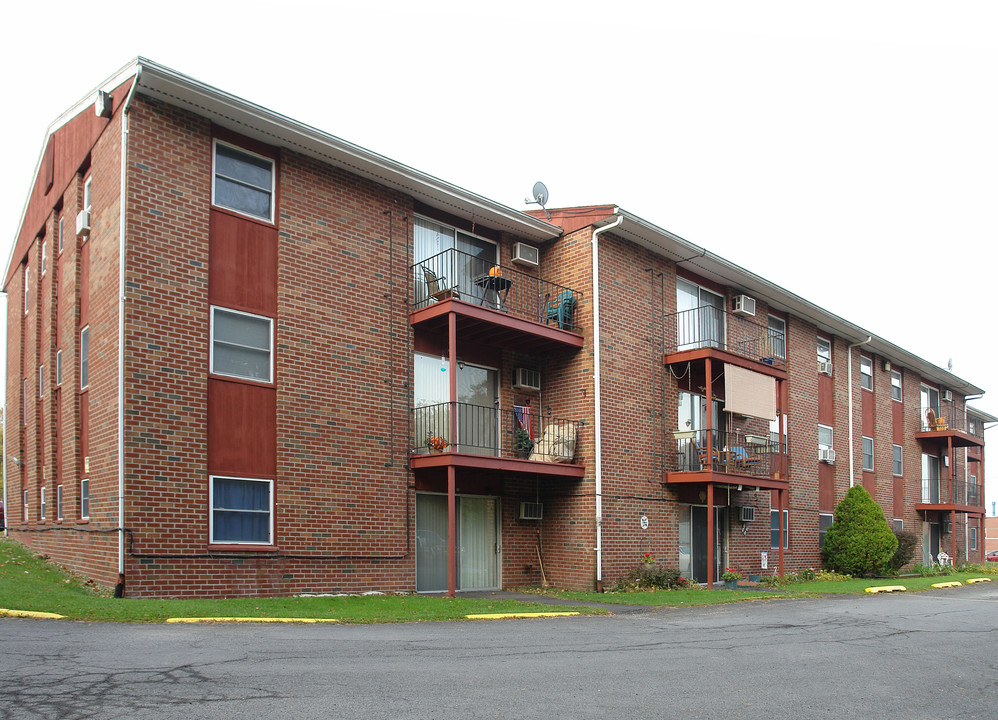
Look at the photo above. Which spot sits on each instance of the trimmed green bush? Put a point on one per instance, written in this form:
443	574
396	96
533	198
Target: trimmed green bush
859	541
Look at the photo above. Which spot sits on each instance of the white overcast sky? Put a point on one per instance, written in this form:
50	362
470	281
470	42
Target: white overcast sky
846	151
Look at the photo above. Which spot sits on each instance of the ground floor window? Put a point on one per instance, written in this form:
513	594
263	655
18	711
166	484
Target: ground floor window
242	510
825	521
973	538
84	498
774	529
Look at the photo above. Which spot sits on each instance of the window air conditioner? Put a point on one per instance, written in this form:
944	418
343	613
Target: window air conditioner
83	223
526	254
747	514
743	305
527	379
826	455
825	368
531	511
947	528
948	395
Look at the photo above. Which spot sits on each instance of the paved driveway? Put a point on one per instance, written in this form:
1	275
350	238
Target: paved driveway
926	655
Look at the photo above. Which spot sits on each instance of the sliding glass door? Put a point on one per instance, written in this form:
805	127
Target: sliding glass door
477	545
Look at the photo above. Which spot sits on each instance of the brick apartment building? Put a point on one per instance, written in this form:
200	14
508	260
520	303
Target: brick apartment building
247	357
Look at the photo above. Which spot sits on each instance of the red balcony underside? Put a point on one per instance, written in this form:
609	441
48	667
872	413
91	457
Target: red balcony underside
949	507
725	478
508	466
477	323
684	356
959	437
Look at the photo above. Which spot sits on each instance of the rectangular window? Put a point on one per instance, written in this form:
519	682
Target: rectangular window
85	499
58	502
244	182
45	256
973	538
41	381
824	350
774	529
41	504
897	524
896	385
87	205
84	357
241	511
241	345
24	401
825	438
58	367
778	336
25	506
898	460
825	521
865	372
868	454
61	226
27	285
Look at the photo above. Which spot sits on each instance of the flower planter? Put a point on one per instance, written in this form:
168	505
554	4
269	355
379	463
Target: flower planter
730	584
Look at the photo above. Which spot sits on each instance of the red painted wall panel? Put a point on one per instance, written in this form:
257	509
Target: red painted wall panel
242	264
242	429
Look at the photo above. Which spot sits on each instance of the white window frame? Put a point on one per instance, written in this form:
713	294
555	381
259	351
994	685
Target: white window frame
87	205
898	459
897	524
973	537
786	530
27	287
84	498
58	502
215	309
779	347
899	396
211	511
41	503
24	508
831	432
45	256
867	441
244	151
84	357
821	531
58	367
41	381
824	356
866	372
61	229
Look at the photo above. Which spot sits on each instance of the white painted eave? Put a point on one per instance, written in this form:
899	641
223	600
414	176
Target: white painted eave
724	272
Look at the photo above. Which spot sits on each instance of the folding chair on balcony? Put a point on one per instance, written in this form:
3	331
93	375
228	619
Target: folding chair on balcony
933	422
436	287
560	309
744	461
702	458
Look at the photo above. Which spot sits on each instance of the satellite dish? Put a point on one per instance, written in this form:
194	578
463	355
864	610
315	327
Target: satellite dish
540	193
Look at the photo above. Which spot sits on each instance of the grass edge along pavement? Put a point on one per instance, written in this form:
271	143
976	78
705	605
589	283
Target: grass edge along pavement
30	585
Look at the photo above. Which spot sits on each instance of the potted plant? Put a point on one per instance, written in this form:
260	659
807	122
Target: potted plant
522	443
435	443
731	578
648	559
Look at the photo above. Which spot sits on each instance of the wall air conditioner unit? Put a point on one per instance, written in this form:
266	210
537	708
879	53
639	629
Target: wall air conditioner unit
531	511
826	455
527	379
947	528
747	514
743	305
948	395
825	368
83	223
524	254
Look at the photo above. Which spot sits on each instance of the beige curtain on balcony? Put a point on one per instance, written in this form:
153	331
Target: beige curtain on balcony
749	393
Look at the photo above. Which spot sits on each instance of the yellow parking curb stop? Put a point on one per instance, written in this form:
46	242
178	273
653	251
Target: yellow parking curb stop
248	620
954	583
886	588
499	616
30	614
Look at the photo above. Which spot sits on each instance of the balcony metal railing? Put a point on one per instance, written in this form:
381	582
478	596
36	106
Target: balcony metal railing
489	431
730	453
950	418
712	327
456	274
950	491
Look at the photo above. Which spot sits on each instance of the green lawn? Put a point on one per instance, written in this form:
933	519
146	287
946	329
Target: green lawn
29	583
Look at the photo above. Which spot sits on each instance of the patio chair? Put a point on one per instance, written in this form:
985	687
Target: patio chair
944	559
702	458
560	309
436	287
742	459
933	422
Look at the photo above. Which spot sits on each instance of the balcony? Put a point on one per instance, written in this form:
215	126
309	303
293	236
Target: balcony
711	331
950	494
491	439
494	304
944	426
735	458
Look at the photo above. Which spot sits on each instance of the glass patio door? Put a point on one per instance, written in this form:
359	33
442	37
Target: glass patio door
930	478
430	399
477	415
477	543
703	323
473	258
698	548
693	416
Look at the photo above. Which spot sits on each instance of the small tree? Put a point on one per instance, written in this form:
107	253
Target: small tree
859	541
905	552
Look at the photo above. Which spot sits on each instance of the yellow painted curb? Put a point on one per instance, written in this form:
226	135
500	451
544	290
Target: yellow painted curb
886	588
971	581
247	620
499	616
947	584
30	614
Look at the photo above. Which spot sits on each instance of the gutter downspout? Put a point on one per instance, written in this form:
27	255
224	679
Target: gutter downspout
119	589
597	396
852	459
